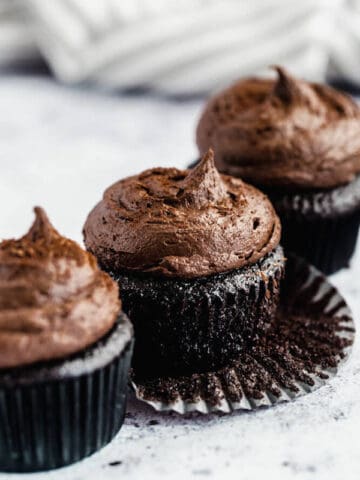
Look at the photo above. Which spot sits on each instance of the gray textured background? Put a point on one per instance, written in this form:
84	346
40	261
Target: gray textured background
60	148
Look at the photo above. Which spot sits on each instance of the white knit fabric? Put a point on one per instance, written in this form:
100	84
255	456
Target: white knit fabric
189	46
17	44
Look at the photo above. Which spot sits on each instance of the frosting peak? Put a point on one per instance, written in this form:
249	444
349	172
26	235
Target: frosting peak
41	228
43	241
181	223
291	91
203	185
54	300
284	132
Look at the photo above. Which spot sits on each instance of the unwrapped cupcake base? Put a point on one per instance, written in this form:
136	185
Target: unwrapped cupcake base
310	339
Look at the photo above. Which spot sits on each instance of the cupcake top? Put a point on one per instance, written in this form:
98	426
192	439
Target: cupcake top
54	300
283	132
181	223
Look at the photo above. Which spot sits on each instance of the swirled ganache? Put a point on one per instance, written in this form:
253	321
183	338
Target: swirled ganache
300	143
198	261
285	132
65	350
54	300
185	224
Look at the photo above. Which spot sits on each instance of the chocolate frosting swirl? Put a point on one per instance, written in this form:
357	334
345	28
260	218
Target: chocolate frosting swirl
54	299
180	223
287	133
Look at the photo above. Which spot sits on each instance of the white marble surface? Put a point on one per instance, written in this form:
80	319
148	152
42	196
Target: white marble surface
60	148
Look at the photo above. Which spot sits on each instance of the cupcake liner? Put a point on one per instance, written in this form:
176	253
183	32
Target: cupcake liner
309	340
327	243
54	415
180	323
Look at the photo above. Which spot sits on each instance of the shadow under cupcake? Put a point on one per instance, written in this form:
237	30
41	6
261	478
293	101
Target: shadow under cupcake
298	142
65	349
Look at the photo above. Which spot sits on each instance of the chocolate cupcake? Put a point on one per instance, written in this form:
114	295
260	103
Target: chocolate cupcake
65	350
300	143
198	261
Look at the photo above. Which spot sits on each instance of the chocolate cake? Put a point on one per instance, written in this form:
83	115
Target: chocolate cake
198	262
65	351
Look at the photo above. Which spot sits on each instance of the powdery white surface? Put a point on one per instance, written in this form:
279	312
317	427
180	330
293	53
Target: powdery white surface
60	148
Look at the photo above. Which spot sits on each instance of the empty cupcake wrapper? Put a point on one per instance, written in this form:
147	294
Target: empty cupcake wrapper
310	339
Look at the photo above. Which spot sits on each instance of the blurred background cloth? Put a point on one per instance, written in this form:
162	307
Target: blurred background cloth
181	47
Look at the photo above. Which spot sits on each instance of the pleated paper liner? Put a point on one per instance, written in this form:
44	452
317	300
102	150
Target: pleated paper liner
54	414
309	340
328	243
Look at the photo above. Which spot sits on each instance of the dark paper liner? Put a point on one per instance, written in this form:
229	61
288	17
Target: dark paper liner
55	414
202	321
327	243
310	339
